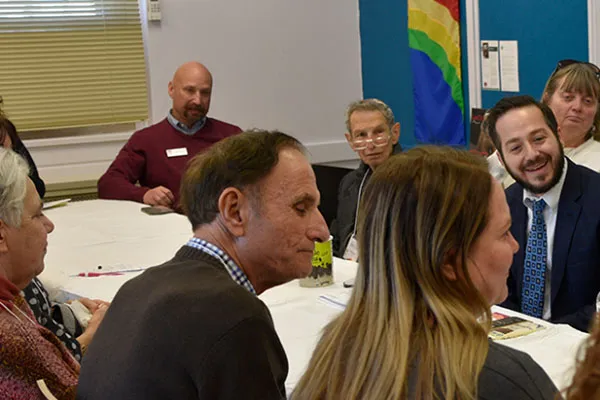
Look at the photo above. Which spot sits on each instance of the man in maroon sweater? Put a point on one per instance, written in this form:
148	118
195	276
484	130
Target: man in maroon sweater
155	157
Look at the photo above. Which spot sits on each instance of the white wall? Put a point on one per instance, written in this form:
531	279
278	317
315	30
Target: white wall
289	65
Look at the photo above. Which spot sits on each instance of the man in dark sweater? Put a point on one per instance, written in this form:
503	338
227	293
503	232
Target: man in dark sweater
155	157
193	328
373	134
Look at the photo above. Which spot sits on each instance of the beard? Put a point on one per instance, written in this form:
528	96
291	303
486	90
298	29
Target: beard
197	117
558	168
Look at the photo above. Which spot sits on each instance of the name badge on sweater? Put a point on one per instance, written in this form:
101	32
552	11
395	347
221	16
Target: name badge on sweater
182	151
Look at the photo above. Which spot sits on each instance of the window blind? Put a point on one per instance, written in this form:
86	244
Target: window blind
72	63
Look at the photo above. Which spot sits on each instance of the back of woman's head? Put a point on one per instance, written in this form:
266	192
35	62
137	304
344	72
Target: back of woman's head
580	78
420	214
411	325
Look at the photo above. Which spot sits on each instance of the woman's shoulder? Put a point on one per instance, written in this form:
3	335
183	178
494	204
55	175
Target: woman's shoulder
500	355
514	375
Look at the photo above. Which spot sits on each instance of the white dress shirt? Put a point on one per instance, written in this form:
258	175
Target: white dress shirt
586	154
551	197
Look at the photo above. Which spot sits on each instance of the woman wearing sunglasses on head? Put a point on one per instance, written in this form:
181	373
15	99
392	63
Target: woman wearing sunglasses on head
432	261
573	92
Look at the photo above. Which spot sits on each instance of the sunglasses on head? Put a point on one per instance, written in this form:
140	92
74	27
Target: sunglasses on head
565	63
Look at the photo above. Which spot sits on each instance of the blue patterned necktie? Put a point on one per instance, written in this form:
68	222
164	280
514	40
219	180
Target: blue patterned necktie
536	255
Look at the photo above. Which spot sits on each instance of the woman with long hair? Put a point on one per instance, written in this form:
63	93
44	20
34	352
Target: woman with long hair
435	250
573	94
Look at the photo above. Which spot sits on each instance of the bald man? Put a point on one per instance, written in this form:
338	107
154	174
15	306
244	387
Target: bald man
148	168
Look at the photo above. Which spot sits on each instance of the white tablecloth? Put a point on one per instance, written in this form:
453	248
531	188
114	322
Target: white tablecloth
300	314
111	234
117	235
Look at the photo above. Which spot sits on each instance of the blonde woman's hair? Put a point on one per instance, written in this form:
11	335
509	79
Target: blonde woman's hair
408	329
578	78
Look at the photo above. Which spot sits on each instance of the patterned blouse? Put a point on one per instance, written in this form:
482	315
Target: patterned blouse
53	317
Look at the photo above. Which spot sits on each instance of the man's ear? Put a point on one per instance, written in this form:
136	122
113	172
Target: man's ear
234	210
3	235
348	139
395	132
559	131
171	89
501	159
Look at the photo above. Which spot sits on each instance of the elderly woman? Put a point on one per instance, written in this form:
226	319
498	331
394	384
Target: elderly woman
34	361
573	92
57	317
433	260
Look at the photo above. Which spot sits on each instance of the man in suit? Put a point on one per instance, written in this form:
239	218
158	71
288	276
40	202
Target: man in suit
556	219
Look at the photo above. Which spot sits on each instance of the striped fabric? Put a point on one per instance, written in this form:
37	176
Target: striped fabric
434	41
236	273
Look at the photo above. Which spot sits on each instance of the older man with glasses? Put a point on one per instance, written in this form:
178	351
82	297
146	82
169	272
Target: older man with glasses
373	134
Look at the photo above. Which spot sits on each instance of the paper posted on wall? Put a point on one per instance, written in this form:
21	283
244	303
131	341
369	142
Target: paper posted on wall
490	70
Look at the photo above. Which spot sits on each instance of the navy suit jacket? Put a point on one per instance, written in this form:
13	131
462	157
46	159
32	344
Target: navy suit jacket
575	275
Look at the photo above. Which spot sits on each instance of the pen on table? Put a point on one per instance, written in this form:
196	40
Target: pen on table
130	270
96	274
125	270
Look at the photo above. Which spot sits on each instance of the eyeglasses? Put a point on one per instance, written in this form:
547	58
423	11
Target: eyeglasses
378	141
565	63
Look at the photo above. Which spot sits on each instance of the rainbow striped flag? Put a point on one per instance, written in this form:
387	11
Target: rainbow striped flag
434	41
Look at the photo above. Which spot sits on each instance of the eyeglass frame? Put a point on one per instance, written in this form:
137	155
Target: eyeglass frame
569	61
386	135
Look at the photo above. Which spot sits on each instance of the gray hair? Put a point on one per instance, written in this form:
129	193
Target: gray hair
14	172
370	105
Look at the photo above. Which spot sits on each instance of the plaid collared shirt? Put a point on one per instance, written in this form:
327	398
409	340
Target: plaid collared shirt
184	129
232	268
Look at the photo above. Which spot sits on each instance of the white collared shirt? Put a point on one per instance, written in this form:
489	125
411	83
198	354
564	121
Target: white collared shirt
551	197
586	154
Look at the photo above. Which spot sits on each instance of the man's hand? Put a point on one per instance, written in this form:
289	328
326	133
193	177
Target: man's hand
159	196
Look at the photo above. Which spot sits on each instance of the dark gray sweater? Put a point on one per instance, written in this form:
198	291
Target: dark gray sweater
508	374
185	330
512	374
